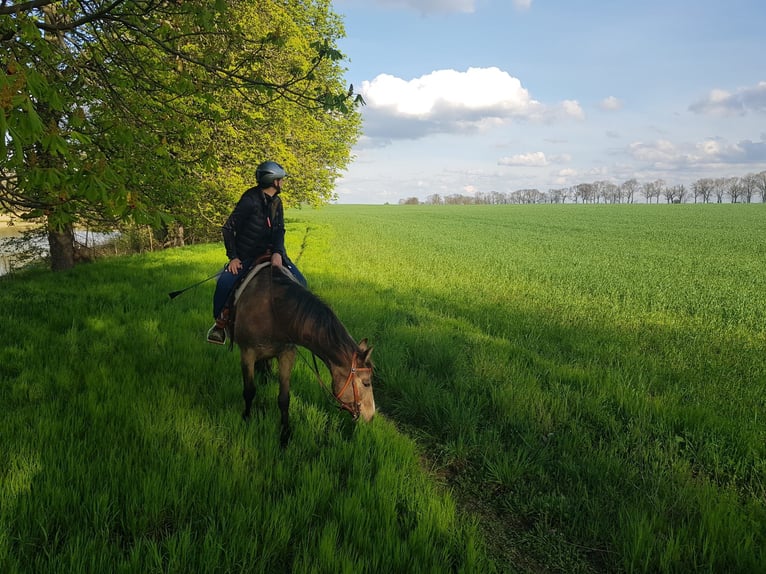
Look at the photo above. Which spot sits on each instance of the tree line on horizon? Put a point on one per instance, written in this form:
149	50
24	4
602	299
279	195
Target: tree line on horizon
746	189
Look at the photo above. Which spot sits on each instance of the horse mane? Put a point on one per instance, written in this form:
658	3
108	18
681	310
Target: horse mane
306	313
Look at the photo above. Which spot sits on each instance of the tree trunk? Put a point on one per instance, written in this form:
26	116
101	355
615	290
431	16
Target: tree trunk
61	243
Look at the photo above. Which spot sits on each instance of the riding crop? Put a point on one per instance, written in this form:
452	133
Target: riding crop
174	294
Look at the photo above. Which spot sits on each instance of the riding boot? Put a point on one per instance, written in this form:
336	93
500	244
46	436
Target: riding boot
217	333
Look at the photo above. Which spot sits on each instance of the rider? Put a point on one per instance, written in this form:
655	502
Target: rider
255	230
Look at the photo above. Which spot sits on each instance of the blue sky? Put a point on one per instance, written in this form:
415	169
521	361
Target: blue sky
467	96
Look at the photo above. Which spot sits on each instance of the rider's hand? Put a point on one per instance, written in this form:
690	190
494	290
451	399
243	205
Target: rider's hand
276	259
235	265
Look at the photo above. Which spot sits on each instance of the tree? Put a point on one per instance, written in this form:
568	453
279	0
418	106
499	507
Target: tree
653	189
703	188
143	110
720	185
734	186
760	184
585	191
749	186
628	189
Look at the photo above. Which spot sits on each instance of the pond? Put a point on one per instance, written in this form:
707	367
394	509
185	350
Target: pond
9	259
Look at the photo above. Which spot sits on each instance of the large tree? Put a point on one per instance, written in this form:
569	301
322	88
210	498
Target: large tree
145	111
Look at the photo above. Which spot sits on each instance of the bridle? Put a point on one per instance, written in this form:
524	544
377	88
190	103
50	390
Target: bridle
355	407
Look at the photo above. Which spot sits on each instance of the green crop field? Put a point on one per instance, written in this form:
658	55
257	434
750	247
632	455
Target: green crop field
561	388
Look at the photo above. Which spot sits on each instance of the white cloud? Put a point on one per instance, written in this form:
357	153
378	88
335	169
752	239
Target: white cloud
710	152
522	4
610	103
572	108
743	101
449	101
489	90
434	6
533	159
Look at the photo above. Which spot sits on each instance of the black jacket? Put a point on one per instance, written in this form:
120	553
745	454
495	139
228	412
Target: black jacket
255	227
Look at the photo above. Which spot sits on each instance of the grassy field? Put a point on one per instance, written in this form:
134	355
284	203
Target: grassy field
562	389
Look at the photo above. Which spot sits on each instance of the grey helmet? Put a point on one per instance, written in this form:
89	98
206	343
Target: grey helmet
267	172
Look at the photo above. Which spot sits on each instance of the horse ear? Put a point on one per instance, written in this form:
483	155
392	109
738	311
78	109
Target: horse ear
365	350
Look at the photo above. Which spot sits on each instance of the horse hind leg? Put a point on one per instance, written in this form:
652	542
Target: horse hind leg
247	362
263	370
286	362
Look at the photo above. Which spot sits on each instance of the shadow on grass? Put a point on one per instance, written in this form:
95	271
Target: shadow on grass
557	428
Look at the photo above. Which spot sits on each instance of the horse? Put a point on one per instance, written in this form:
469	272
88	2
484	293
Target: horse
272	315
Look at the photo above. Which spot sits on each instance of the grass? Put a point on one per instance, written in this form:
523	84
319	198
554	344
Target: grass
587	382
124	449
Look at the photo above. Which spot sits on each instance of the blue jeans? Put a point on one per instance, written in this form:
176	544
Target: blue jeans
227	280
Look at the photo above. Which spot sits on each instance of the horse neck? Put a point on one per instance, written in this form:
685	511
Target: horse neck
331	344
313	325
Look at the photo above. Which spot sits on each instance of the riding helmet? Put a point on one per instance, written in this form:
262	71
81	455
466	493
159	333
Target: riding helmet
267	172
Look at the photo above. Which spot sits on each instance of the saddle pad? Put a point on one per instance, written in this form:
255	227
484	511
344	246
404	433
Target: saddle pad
253	272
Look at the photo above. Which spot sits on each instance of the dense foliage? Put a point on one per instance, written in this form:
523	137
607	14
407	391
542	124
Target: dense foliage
156	112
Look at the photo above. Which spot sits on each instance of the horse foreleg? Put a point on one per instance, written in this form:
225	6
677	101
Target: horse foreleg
247	361
286	361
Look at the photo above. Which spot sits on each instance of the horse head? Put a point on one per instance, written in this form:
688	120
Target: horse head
352	383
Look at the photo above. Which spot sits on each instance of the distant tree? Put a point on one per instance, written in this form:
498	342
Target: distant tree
720	187
760	184
557	195
749	187
628	189
498	198
586	192
703	188
434	199
409	201
735	188
675	193
609	191
653	190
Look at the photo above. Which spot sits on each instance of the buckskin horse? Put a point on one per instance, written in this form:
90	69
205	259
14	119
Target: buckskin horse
272	315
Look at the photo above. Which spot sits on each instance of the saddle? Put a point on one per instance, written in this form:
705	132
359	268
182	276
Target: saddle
252	272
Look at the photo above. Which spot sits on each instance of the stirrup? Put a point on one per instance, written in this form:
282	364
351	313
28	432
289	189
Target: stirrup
216	335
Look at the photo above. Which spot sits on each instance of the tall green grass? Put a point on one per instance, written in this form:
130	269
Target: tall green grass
123	448
593	377
587	380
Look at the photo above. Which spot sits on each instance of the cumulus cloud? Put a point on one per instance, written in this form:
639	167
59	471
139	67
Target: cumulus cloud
434	6
610	103
740	102
522	4
449	101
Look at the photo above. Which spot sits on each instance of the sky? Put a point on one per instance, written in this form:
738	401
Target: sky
480	96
